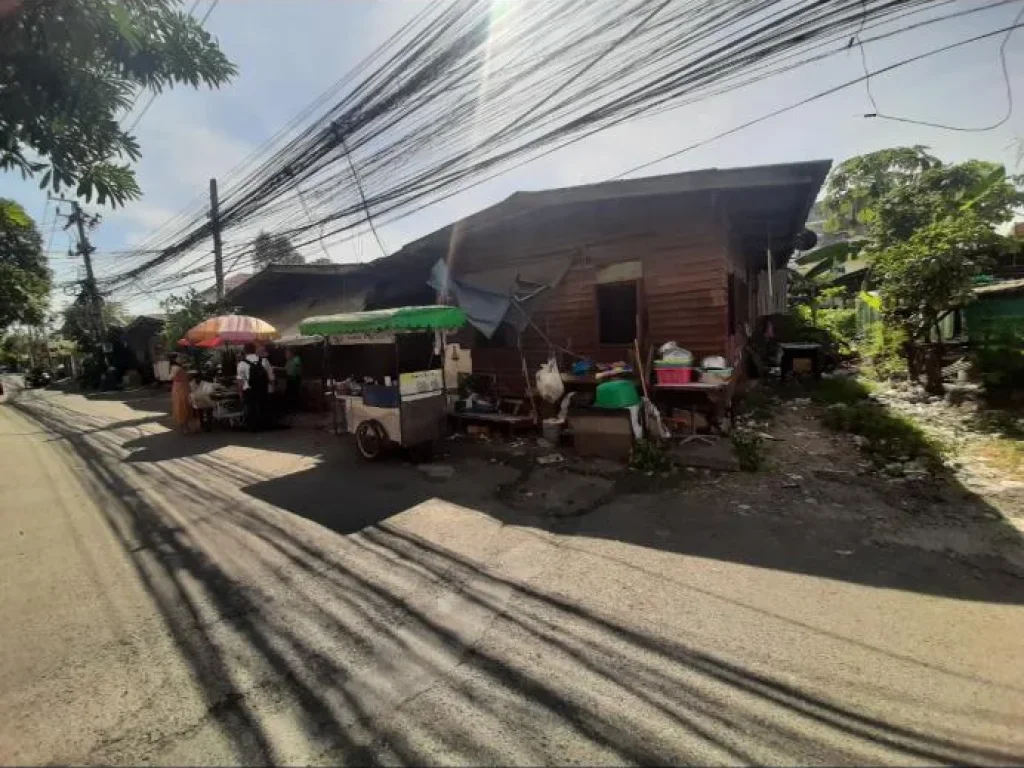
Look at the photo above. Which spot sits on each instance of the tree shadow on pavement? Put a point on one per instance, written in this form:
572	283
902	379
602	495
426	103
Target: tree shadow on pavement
386	647
345	499
144	399
170	444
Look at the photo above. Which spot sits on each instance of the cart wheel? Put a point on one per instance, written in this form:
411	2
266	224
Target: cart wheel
371	439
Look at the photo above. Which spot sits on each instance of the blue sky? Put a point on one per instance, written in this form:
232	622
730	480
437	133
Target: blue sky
289	52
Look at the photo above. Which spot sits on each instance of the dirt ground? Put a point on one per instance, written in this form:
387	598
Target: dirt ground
811	477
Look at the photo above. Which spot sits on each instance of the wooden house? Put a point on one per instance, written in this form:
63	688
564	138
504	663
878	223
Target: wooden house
692	257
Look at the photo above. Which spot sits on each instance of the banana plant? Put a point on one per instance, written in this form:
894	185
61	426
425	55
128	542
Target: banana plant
829	258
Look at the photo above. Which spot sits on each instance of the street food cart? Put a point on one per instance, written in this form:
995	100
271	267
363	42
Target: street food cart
222	333
387	385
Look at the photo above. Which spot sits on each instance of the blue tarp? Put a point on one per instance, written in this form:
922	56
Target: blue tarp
502	295
484	309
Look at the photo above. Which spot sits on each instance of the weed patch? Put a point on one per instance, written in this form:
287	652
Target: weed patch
889	436
999	423
649	456
748	446
840	389
1003	454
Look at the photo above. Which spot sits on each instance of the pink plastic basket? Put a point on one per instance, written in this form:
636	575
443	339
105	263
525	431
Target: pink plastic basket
670	376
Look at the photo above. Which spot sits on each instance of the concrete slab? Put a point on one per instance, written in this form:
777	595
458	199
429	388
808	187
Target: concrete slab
717	455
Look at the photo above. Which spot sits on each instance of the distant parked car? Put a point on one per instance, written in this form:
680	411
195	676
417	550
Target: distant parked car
37	377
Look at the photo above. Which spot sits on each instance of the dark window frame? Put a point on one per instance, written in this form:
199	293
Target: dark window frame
617	287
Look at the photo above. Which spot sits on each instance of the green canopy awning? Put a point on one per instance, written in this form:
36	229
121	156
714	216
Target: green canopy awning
402	319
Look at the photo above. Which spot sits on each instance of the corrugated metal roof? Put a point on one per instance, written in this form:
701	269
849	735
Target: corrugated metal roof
1005	286
810	173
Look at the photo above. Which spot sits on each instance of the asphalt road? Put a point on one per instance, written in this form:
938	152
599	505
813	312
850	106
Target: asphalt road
269	599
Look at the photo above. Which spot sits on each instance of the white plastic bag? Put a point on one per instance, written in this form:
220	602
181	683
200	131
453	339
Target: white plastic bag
652	418
672	351
549	381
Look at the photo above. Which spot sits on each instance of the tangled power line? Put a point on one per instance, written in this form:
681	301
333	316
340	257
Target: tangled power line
468	90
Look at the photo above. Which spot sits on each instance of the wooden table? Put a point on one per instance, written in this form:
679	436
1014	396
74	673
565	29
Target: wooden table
507	420
717	396
799	351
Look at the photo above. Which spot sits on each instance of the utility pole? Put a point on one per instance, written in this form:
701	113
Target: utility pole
85	250
46	347
91	294
218	257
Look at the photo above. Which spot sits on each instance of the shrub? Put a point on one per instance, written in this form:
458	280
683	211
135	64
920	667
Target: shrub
841	326
748	446
882	350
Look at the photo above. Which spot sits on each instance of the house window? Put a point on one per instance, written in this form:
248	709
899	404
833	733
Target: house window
616	312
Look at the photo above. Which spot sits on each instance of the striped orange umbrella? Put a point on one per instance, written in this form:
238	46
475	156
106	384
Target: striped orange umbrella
232	329
216	341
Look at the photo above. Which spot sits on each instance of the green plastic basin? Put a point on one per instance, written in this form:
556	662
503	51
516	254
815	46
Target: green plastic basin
616	394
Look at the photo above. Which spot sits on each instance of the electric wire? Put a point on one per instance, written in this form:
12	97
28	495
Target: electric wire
966	129
462	94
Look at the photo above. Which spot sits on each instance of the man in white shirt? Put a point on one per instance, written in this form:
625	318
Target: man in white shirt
255	375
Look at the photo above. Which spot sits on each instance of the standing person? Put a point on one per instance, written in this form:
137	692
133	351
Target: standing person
181	408
254	375
202	399
293	370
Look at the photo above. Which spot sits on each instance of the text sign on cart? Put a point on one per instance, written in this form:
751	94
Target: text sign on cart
352	339
421	382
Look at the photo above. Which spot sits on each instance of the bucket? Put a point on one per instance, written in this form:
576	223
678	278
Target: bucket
552	430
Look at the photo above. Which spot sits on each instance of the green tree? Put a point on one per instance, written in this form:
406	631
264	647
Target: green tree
78	324
930	273
856	186
22	348
183	312
926	230
68	68
274	249
24	276
882	198
974	189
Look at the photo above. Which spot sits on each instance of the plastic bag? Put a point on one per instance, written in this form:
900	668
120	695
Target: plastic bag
672	351
549	381
652	419
563	410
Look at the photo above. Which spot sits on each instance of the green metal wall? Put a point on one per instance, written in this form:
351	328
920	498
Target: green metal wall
987	310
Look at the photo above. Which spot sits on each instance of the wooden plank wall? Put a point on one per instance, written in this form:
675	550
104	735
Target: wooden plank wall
684	300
